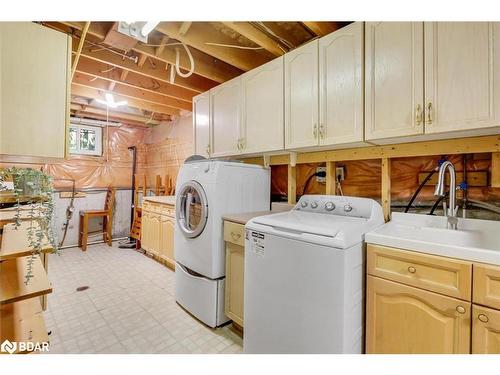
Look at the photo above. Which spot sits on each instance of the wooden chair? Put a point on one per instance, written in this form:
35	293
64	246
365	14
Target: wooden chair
107	221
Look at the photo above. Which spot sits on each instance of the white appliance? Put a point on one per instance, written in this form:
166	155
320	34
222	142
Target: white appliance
205	191
304	276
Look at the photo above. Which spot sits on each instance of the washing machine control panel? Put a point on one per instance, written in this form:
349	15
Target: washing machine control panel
337	205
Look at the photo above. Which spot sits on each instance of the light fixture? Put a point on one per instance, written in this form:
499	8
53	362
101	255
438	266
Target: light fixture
148	27
110	101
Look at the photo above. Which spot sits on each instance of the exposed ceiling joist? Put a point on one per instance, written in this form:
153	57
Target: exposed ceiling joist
201	32
132	93
256	36
79	49
196	83
206	65
125	77
88	111
93	93
322	28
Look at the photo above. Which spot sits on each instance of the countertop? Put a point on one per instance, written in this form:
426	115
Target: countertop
244	217
164	199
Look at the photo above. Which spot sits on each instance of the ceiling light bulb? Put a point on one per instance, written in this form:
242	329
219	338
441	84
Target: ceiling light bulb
109	98
148	27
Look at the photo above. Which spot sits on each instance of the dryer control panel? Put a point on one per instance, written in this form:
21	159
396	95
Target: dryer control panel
339	205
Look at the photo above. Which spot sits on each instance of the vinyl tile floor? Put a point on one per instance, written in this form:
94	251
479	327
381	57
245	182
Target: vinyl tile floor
128	307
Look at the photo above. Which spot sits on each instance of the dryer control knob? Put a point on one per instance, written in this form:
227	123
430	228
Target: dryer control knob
314	204
347	208
329	206
303	204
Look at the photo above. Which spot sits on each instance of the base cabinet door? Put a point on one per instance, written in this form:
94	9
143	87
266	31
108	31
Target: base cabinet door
341	86
485	330
151	232
235	267
301	96
407	320
462	89
167	238
145	230
394	79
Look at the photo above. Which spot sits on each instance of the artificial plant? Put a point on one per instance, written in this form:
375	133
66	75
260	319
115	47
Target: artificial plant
36	189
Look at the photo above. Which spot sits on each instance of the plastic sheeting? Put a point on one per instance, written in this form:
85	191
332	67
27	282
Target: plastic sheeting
363	178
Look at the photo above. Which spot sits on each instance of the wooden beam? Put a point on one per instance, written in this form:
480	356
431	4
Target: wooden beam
125	77
331	185
93	93
469	145
131	92
184	28
80	46
495	169
256	36
114	114
206	65
322	28
386	188
195	83
292	185
201	32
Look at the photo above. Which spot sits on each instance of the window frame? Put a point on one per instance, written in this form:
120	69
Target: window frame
98	140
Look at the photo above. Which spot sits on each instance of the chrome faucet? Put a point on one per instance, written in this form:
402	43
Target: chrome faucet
451	212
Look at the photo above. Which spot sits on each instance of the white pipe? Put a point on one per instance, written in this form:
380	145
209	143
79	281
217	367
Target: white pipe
87	121
191	60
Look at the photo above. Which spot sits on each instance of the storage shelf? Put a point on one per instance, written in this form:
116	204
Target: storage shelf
13	277
23	322
15	242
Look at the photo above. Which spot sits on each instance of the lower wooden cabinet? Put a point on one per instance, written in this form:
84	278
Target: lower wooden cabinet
234	235
403	319
485	330
157	231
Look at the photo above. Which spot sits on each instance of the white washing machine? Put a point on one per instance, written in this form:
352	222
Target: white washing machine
206	190
304	276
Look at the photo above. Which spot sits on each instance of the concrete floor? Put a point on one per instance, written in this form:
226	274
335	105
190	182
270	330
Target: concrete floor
129	307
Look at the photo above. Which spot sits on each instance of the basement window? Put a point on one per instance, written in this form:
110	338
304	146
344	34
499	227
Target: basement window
85	140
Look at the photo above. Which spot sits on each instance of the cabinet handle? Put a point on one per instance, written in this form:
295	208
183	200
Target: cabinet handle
238	144
418	114
460	309
208	150
315	131
321	131
429	116
235	236
483	318
242	143
412	269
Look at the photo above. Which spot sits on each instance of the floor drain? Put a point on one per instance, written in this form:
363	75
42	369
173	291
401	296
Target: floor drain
81	288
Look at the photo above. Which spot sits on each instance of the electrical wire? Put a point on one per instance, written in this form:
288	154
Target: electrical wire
415	194
177	60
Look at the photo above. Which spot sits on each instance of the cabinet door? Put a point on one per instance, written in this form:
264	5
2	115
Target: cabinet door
167	238
201	124
152	233
485	330
394	79
301	96
235	267
225	102
486	285
341	86
146	230
35	64
406	320
462	87
262	119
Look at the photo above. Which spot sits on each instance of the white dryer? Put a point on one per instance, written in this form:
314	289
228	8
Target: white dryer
304	276
205	191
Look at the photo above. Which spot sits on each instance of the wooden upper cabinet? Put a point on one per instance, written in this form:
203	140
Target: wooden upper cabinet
405	320
394	89
462	87
201	124
485	330
301	96
262	120
341	86
225	101
35	65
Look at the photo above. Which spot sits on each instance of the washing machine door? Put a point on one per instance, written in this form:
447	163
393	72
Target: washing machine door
191	209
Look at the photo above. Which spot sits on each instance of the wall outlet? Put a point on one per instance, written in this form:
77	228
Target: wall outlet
340	173
321	180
